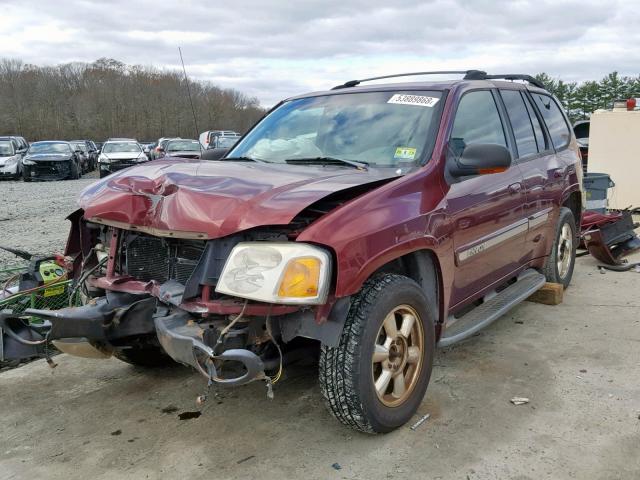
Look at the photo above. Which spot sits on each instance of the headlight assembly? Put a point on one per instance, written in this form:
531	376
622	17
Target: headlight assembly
289	272
26	161
104	159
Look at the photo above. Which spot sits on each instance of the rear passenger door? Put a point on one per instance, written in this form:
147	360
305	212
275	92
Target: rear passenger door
489	223
542	170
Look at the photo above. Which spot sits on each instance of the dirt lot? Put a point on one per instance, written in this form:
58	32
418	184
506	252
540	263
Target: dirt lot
577	362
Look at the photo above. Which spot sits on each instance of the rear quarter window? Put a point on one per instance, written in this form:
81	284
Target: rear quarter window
554	119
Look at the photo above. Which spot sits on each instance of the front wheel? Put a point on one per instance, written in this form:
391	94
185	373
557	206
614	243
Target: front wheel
376	378
74	171
561	261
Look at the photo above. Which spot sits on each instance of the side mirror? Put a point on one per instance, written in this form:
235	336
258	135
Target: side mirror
214	153
478	159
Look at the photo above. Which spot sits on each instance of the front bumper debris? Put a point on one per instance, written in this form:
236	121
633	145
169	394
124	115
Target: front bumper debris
92	330
609	237
181	338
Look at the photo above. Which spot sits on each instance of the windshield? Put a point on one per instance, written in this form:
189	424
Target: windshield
49	148
382	129
80	146
115	147
6	149
183	145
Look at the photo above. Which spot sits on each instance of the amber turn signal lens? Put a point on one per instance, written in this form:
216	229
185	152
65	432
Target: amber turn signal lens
301	278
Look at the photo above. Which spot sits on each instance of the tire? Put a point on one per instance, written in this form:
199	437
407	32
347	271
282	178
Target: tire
25	177
102	173
147	357
561	261
349	371
75	171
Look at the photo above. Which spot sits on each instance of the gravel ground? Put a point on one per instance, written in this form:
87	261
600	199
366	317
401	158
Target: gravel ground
32	215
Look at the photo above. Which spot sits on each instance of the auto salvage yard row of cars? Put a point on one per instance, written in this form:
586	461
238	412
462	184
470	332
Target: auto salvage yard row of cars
60	160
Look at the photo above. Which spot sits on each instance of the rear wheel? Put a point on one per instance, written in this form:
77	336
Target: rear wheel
376	378
560	263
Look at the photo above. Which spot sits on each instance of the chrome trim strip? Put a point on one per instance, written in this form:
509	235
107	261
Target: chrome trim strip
539	218
493	239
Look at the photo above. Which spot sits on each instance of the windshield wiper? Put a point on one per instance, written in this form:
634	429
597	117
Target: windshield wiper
244	159
328	161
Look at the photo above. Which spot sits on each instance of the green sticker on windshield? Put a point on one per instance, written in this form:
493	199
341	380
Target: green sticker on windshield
405	153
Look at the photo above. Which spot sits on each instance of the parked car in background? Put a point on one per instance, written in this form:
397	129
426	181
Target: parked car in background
91	151
371	222
10	158
119	154
209	138
82	150
182	148
51	160
158	151
98	146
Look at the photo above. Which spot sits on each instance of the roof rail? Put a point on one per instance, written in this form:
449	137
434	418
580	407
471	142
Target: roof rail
468	75
353	83
480	75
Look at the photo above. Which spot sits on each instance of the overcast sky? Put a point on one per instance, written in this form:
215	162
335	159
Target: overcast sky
271	50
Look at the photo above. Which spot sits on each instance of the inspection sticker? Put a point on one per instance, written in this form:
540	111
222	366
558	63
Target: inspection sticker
420	100
405	153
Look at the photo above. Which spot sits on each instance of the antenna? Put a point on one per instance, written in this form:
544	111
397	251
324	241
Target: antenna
193	110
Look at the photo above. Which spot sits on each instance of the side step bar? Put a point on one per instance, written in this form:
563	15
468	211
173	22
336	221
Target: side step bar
528	282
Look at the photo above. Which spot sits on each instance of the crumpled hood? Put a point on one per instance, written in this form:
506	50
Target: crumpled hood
48	157
214	198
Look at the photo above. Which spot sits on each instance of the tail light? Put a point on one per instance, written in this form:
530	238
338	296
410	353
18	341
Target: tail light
631	104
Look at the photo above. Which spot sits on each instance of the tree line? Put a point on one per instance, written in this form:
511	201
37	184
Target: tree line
108	98
582	99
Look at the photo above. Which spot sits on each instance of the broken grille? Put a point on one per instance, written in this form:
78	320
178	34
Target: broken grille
151	258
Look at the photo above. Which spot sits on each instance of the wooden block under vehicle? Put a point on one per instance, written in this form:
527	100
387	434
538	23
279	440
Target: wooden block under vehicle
549	294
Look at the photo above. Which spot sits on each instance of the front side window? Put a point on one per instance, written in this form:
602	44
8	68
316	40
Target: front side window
382	129
520	122
553	117
477	121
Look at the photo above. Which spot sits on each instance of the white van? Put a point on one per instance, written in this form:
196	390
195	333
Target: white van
211	138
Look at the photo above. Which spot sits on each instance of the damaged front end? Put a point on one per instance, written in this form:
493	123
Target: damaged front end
609	237
159	294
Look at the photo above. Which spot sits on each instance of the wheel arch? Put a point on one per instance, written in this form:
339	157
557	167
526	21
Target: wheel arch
573	201
424	268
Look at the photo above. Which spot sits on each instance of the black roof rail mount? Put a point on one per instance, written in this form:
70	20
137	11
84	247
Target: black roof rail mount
468	75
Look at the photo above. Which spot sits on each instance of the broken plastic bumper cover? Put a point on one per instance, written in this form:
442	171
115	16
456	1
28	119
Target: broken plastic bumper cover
181	339
122	315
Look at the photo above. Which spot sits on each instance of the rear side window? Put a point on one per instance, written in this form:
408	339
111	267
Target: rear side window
477	121
520	122
553	117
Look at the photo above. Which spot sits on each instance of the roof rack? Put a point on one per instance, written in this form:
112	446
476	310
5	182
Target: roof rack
468	75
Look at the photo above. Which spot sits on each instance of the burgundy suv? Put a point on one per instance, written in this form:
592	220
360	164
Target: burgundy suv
376	222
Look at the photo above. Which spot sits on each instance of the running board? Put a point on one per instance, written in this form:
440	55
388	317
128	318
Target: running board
528	282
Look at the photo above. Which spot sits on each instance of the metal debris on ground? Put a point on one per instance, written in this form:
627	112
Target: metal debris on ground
519	400
336	466
422	419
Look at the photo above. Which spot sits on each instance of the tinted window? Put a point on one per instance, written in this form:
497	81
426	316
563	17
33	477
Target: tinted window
477	121
554	119
537	128
520	122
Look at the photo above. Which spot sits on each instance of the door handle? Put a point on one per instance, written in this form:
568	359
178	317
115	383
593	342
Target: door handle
515	188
